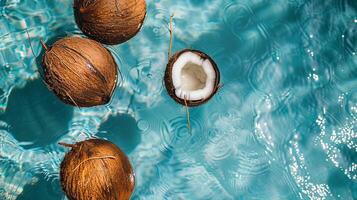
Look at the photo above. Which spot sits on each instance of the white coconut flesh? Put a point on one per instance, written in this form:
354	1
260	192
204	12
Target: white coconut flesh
193	77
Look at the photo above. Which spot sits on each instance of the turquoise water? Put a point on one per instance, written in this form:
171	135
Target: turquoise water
282	127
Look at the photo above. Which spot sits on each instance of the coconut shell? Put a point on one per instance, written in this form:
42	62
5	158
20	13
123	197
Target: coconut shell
80	71
110	21
96	169
170	86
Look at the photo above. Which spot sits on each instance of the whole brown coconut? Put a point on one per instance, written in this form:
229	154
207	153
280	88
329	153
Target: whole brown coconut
96	169
80	71
110	21
191	77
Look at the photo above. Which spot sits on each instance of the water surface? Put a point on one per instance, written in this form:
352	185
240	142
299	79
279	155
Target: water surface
282	127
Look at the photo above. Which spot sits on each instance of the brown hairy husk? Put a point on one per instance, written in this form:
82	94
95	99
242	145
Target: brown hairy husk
96	169
80	71
169	84
110	21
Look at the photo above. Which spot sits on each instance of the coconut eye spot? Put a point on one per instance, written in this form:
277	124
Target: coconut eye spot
193	77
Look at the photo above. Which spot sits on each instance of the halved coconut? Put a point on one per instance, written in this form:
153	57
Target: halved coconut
193	76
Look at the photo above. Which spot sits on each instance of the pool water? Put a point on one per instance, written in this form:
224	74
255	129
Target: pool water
282	127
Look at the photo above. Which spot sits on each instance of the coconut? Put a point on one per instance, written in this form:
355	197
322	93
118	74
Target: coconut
191	77
80	71
110	21
96	169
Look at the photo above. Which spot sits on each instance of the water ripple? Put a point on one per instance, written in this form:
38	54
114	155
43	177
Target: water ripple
238	17
178	138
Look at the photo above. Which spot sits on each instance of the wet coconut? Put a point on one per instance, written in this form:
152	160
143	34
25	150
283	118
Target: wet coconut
80	71
110	21
96	169
191	77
